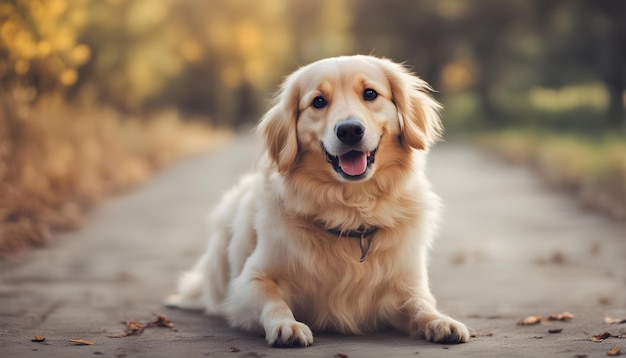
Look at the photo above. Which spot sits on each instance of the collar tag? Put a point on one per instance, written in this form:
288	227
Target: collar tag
365	242
363	234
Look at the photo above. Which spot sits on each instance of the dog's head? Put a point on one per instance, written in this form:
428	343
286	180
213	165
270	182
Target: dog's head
347	112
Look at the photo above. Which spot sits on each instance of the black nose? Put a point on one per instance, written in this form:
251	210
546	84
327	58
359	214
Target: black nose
350	131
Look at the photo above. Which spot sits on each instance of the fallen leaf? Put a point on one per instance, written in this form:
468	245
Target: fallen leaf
614	351
530	320
341	355
557	258
135	326
611	320
600	337
38	339
594	249
555	330
82	342
132	328
560	316
161	321
458	260
119	335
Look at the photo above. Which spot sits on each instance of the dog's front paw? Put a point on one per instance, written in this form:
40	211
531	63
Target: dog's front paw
446	330
289	333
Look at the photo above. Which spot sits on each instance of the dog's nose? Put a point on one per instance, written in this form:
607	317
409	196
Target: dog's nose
349	131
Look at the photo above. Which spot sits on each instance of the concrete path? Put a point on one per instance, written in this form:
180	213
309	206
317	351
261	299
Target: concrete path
509	248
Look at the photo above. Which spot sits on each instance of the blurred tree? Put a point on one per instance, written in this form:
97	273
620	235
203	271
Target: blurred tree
40	54
495	48
136	50
484	26
411	31
585	41
39	48
445	40
320	28
194	55
219	58
614	75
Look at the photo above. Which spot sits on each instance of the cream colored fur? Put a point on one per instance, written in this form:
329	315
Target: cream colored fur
271	265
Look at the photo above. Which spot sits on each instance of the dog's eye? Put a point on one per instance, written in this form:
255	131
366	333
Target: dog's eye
319	102
369	94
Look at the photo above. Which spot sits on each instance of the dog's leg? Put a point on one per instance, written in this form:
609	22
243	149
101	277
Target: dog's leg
258	301
425	320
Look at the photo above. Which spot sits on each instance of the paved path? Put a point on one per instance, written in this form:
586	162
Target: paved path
508	249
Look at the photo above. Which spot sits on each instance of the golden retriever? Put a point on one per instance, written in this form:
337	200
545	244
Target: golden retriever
333	233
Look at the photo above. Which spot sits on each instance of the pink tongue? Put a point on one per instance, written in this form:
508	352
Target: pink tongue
353	163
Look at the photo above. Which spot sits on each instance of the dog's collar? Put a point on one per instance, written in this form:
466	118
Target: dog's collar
364	235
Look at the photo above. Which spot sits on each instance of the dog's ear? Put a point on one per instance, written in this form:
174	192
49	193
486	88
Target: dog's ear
418	112
278	127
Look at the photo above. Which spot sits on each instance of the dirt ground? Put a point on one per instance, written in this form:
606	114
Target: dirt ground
509	248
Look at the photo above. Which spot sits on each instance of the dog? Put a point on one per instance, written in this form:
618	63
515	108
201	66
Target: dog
332	232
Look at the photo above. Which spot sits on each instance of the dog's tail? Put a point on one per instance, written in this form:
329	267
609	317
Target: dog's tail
190	293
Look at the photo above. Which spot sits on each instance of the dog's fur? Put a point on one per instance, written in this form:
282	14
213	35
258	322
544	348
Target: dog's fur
275	261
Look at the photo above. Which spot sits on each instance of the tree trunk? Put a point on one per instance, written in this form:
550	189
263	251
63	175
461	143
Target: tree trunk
615	78
616	114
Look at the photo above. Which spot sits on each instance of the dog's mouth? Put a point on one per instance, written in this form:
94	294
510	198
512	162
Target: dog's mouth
352	165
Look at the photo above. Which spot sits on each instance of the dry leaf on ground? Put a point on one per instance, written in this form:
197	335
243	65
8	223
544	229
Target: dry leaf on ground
161	321
555	330
82	342
557	258
136	328
132	328
611	320
614	351
560	316
530	320
600	337
38	339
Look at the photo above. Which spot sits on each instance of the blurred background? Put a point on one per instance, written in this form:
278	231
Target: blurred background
95	96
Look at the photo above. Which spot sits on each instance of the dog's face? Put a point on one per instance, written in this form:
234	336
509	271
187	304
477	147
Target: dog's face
349	117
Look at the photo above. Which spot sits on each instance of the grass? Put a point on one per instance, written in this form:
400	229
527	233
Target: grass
591	167
57	162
